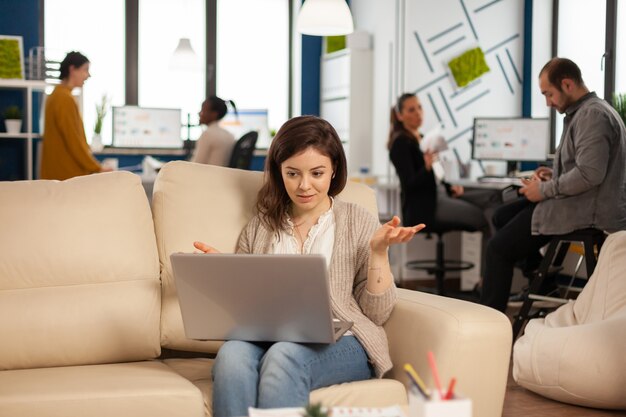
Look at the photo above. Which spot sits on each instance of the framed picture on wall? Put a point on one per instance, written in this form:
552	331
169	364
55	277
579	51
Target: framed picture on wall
11	57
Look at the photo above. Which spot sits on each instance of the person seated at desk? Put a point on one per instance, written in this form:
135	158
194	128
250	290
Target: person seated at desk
65	153
298	214
424	199
585	189
215	144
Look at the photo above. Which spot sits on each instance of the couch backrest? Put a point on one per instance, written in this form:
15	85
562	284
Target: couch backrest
211	204
79	277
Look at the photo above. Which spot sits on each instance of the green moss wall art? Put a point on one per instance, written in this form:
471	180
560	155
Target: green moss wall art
468	66
11	63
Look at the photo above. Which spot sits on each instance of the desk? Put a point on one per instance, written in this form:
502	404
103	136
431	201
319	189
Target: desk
467	183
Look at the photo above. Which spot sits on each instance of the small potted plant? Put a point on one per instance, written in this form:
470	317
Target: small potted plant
13	119
619	103
101	111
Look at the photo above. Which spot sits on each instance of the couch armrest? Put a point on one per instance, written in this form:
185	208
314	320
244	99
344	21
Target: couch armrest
470	342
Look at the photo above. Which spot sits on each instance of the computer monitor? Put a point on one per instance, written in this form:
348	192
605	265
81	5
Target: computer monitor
511	139
141	127
246	120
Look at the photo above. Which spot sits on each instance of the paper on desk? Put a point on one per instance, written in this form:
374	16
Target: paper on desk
394	411
433	141
276	412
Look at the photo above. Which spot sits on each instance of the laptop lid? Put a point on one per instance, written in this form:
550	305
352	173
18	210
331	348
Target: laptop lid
255	297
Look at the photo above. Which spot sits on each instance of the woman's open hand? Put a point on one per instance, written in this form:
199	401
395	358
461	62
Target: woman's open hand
204	248
391	233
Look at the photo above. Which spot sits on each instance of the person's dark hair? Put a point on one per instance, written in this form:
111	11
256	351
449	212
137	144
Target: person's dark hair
218	105
75	59
396	127
559	69
294	137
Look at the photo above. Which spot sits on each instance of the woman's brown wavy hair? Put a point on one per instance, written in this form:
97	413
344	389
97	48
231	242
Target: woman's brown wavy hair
294	137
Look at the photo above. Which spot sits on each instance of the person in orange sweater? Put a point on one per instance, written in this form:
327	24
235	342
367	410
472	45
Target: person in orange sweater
65	151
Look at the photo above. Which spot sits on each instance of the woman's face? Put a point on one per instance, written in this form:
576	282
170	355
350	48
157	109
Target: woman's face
205	113
78	75
307	178
411	114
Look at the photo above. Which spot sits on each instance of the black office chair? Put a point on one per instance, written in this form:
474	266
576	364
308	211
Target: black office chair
439	266
243	151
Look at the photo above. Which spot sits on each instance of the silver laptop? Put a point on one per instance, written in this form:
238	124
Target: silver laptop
255	298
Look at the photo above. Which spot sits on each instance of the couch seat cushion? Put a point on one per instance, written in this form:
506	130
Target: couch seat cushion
371	393
135	389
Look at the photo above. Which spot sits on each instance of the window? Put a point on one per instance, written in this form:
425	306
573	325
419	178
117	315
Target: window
162	23
582	43
620	65
99	35
253	57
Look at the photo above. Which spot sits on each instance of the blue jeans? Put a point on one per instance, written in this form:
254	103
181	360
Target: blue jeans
270	375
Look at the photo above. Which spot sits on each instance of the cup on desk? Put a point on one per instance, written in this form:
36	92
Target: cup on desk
458	406
111	163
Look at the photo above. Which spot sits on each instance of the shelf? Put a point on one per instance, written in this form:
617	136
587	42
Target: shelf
33	84
5	135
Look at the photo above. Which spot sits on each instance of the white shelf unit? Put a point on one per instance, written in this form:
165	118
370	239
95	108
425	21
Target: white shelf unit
28	87
346	102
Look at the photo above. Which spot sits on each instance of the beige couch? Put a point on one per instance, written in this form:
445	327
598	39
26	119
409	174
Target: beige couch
87	301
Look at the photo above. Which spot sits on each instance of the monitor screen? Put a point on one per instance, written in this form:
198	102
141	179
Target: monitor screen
139	127
246	120
514	139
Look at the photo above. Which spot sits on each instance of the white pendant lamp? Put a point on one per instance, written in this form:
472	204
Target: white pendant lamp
184	57
325	18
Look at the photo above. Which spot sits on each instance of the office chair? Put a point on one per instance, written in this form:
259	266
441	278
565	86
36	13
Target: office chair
439	266
243	151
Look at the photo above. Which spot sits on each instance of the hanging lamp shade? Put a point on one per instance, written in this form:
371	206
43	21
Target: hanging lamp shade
184	57
325	18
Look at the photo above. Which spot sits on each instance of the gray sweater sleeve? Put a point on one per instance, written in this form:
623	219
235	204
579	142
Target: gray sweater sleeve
592	140
377	307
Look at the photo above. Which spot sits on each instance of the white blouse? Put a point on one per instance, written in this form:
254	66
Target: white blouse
320	240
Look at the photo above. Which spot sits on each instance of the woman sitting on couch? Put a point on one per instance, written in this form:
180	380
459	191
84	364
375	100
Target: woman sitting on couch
297	214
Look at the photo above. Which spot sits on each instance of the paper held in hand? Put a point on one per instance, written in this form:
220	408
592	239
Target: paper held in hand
433	141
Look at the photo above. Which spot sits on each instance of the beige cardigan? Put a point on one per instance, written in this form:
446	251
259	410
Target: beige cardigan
350	300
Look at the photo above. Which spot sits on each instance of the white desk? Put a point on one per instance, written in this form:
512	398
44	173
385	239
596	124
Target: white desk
487	185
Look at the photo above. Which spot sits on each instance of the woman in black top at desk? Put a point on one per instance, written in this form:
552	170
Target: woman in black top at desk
443	207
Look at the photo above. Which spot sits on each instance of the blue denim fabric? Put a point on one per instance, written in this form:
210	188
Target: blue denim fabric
269	375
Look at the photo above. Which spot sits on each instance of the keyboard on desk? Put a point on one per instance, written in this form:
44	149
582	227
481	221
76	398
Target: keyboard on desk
501	180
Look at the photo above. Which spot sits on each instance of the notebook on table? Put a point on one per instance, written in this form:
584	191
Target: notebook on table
267	298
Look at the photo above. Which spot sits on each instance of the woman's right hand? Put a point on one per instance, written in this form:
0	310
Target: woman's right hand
204	248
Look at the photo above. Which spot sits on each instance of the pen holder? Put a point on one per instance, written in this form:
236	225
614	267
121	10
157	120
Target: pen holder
435	407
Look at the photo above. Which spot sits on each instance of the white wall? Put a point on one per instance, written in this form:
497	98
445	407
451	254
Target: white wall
401	65
379	19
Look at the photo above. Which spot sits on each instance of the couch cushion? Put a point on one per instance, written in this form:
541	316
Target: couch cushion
371	393
576	354
130	389
79	277
211	204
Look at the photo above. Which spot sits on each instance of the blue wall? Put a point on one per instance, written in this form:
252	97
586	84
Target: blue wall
18	18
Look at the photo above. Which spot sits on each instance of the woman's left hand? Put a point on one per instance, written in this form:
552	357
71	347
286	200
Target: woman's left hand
391	233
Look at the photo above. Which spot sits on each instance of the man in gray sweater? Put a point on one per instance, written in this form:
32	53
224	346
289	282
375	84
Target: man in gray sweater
586	188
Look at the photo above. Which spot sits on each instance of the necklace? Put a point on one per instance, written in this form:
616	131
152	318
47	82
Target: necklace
297	229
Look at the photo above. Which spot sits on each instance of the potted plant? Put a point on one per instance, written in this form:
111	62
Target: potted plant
101	111
13	119
619	103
